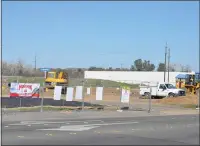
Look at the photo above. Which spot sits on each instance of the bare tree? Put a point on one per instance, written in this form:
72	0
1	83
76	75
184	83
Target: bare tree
187	68
20	67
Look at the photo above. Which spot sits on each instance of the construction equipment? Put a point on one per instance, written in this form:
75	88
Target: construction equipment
191	82
56	78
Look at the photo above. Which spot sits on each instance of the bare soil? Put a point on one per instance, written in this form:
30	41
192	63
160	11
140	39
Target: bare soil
189	99
113	95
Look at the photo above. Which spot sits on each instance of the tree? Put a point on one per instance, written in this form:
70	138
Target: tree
20	67
161	67
133	68
171	68
187	68
93	68
147	66
118	69
138	64
4	68
110	69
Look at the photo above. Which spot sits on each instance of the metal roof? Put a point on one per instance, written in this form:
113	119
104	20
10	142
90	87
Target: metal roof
182	76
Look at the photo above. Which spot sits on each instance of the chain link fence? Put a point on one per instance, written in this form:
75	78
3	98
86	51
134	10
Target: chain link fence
112	91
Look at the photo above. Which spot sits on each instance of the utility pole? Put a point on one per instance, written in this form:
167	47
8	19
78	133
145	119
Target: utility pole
168	62
35	61
165	60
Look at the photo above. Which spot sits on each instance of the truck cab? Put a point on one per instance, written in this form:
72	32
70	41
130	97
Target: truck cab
160	89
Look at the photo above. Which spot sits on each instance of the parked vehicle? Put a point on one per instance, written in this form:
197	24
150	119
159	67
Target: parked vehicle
160	89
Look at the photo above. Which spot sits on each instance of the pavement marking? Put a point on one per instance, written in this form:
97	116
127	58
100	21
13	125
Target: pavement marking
6	126
97	132
72	128
48	122
74	121
84	127
20	136
48	134
35	123
135	129
29	125
95	121
116	131
114	123
72	133
119	110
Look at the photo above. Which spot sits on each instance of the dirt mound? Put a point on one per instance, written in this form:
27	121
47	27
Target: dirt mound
189	99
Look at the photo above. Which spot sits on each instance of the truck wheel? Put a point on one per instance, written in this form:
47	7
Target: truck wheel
146	94
171	95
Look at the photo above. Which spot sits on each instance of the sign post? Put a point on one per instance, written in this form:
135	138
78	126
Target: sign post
125	97
45	70
42	100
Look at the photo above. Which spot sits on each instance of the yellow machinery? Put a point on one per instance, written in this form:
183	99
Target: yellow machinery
180	80
56	78
190	81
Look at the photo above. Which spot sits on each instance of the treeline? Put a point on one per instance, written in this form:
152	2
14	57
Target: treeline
18	69
146	65
21	69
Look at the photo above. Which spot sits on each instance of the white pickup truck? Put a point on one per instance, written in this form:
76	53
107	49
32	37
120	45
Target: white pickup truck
160	89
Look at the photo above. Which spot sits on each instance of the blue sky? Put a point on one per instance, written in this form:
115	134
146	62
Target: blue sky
83	34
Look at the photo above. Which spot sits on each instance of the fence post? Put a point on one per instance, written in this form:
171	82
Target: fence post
20	102
149	100
42	100
198	95
83	96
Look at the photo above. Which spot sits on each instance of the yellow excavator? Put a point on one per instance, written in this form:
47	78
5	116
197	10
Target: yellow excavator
56	78
192	82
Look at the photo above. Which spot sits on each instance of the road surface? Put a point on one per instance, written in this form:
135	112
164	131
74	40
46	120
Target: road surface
158	130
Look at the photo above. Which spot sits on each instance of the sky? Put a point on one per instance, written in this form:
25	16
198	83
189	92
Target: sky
84	34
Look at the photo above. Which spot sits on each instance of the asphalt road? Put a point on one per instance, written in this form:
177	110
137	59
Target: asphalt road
169	130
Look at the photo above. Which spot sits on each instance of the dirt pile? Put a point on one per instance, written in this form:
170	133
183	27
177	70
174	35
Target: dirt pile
189	99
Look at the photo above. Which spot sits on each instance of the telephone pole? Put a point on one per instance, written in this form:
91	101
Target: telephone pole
35	64
165	61
168	62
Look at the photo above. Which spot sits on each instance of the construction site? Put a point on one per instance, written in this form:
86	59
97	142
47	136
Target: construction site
112	90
